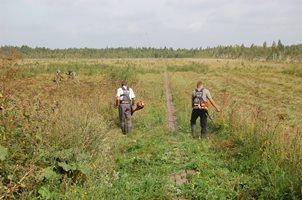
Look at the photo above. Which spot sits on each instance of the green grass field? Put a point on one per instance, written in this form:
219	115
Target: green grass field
64	142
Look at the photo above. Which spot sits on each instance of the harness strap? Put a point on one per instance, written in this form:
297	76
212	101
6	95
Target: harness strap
124	102
128	101
200	98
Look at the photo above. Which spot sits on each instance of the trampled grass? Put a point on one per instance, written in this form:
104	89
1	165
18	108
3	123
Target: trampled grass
64	142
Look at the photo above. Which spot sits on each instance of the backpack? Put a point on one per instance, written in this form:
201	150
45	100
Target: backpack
197	97
126	93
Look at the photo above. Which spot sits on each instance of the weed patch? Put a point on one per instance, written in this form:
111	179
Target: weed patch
193	67
294	70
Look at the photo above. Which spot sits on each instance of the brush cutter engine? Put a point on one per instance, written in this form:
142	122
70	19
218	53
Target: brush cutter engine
204	105
139	105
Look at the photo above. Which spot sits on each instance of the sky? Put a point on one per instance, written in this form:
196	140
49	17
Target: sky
149	23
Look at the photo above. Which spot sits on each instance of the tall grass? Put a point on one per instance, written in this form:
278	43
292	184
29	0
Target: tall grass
56	139
252	143
259	148
192	67
52	135
293	70
64	142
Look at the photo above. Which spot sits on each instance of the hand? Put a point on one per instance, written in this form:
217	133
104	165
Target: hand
218	109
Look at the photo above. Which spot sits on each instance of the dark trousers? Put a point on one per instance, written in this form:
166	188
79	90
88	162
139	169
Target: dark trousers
202	113
125	117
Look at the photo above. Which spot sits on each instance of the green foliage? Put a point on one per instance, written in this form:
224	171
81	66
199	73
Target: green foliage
46	194
68	165
258	155
47	173
274	52
3	153
67	145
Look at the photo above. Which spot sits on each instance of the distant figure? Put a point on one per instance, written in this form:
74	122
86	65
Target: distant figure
58	77
71	74
125	99
200	95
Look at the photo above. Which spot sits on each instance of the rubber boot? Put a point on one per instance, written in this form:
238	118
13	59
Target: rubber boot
193	130
203	133
128	130
124	130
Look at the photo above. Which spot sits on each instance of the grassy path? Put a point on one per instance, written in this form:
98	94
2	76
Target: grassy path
78	152
156	163
150	162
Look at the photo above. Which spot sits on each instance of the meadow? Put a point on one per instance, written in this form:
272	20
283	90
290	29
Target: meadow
64	142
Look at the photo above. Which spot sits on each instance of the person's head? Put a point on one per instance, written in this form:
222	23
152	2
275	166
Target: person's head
124	83
199	84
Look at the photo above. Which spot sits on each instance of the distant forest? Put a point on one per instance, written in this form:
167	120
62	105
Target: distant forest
276	51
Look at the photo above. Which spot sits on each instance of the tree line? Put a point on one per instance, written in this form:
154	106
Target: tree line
276	51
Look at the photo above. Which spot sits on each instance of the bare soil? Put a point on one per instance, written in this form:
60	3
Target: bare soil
170	107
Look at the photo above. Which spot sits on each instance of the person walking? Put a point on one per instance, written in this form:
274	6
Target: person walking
200	105
125	99
58	78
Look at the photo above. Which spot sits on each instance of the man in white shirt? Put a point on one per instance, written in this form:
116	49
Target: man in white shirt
125	99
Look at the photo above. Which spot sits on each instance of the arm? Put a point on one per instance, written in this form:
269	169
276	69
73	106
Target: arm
117	101
133	101
215	105
192	99
209	97
132	95
117	98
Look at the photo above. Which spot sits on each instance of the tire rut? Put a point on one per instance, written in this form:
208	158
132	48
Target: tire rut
170	108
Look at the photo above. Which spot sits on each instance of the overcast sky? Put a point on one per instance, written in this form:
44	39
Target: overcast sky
148	23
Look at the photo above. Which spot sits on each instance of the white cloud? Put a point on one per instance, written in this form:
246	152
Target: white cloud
197	26
176	23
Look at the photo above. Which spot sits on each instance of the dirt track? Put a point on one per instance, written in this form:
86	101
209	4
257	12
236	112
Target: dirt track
170	107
